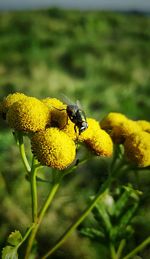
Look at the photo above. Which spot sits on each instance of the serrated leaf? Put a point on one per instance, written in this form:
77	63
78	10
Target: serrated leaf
14	238
121	204
101	215
126	218
122	229
9	252
92	233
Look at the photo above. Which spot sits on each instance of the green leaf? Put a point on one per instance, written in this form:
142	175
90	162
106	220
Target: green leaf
129	196
121	204
126	218
14	238
9	252
92	233
101	216
123	228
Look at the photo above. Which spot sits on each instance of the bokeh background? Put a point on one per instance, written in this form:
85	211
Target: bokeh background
99	54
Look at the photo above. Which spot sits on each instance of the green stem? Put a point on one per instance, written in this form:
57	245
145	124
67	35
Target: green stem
113	252
121	247
67	233
34	190
26	235
23	154
137	249
40	217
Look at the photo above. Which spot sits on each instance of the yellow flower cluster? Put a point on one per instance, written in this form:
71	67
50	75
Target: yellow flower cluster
58	112
134	135
97	139
53	148
53	134
29	115
137	148
8	101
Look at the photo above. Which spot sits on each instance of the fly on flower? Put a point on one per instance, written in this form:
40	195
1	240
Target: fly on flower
76	115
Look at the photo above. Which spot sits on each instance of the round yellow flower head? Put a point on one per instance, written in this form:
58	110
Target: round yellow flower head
93	127
29	115
9	100
100	143
111	120
59	117
145	125
120	132
70	130
53	148
137	148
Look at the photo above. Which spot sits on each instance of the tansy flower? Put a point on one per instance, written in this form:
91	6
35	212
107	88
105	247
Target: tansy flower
59	117
121	131
53	148
29	115
97	140
145	125
137	148
100	143
9	100
93	127
111	120
71	130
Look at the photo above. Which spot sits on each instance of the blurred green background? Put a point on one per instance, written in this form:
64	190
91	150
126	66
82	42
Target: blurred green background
100	58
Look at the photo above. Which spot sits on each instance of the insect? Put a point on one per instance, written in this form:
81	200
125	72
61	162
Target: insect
76	115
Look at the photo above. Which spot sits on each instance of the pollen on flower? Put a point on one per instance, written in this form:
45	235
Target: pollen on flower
53	148
137	149
145	125
9	100
29	115
101	144
111	120
70	130
59	117
96	139
93	127
121	131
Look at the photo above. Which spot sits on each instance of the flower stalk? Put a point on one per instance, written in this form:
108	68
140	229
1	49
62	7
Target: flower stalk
19	137
34	189
137	249
69	231
39	218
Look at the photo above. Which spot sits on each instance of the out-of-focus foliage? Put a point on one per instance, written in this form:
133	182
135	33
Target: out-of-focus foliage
101	58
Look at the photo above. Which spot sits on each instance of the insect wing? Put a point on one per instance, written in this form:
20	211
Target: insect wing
79	105
66	100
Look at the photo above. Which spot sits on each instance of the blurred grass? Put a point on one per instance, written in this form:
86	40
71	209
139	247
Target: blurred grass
100	58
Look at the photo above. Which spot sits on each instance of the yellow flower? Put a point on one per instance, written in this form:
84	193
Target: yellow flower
145	125
59	117
70	130
97	140
120	132
29	115
137	148
9	100
53	148
100	143
93	127
111	120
